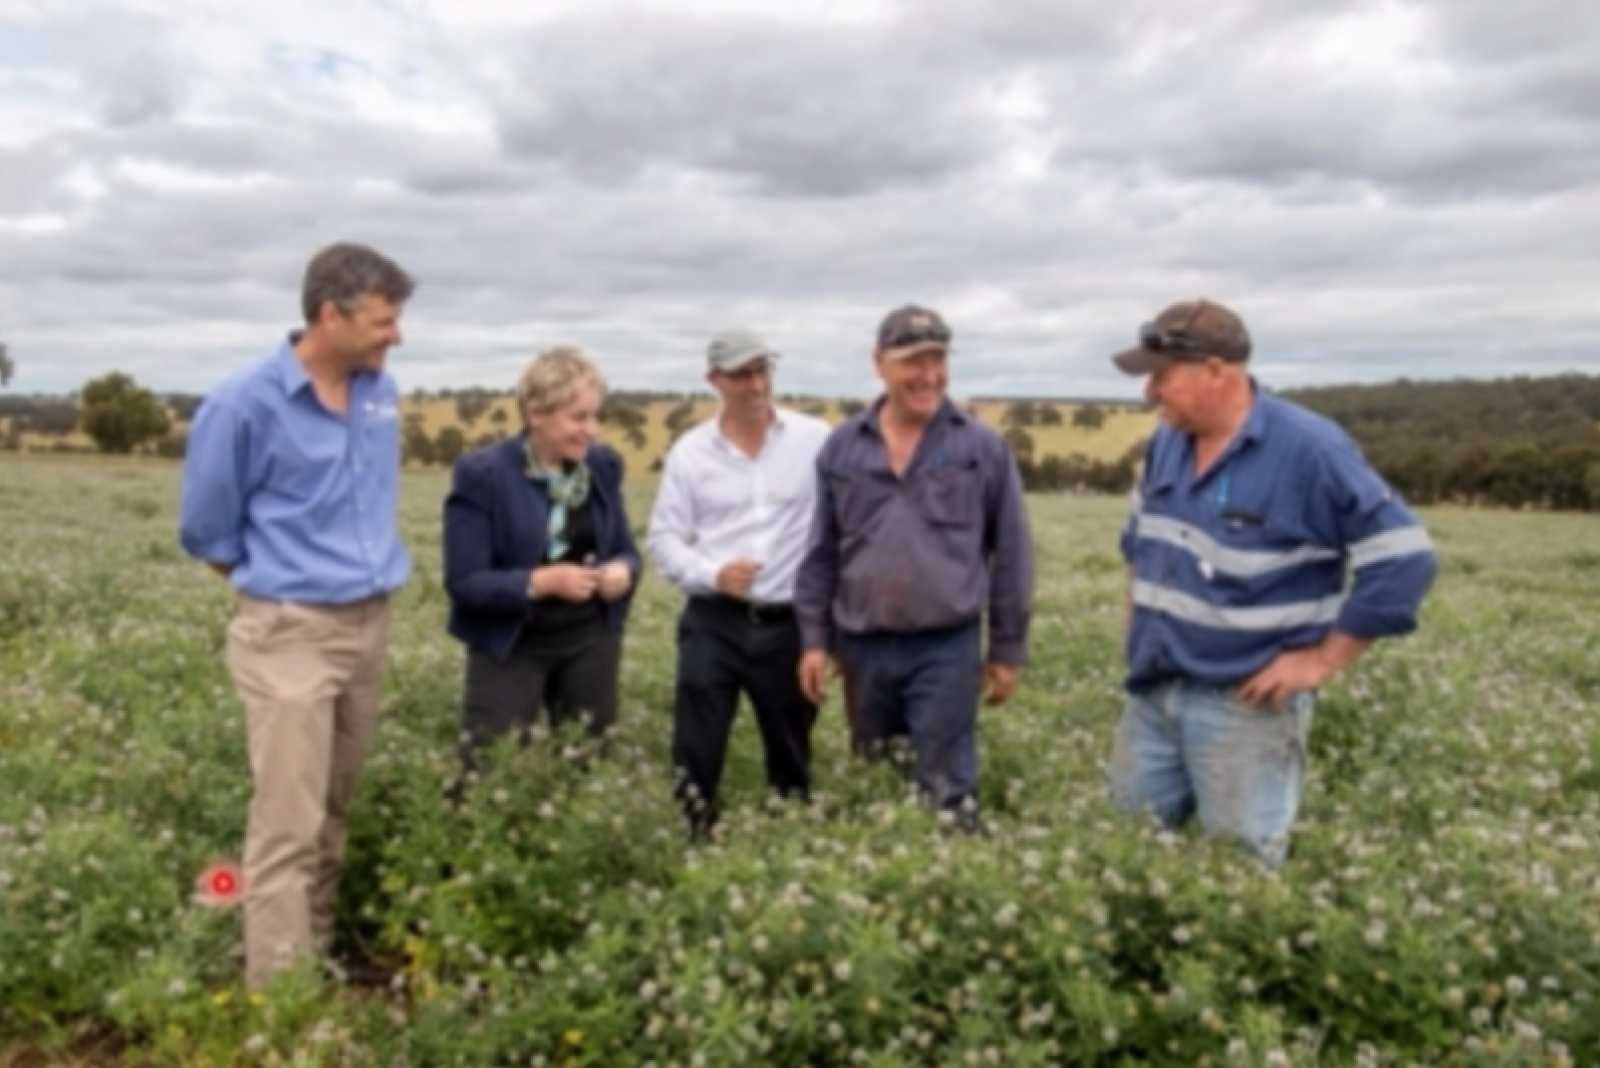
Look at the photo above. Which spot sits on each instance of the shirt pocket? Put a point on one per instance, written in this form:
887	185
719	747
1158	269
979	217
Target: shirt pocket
952	495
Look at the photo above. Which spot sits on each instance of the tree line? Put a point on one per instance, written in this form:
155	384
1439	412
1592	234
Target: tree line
1510	442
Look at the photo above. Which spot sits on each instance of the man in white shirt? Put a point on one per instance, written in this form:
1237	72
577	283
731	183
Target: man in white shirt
729	528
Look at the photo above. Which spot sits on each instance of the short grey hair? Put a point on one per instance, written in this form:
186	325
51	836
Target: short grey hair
553	378
346	272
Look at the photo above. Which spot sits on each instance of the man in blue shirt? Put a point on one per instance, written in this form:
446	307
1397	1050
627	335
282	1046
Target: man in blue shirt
289	490
1248	515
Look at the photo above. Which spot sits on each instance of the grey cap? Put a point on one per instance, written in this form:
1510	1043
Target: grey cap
1187	332
732	349
911	329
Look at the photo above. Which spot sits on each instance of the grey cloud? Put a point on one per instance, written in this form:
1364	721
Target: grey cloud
659	176
824	111
144	86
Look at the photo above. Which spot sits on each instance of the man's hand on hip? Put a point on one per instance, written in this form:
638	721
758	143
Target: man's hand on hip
1301	669
999	682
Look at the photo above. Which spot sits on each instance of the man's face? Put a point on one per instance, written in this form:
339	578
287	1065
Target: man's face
914	385
1182	392
746	392
362	335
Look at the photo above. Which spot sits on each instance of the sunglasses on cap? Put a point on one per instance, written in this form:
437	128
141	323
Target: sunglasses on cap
919	333
1158	338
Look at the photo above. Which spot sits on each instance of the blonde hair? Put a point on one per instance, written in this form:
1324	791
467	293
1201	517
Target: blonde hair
554	377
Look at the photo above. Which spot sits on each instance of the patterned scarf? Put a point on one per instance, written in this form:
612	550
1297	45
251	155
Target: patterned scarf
568	488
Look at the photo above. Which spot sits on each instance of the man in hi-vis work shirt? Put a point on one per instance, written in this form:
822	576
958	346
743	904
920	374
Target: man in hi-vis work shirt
1249	512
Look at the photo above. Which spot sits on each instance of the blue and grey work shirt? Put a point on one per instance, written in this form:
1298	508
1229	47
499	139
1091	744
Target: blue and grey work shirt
1233	566
928	549
300	501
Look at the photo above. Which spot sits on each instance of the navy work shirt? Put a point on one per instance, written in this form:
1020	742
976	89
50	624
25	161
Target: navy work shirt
925	550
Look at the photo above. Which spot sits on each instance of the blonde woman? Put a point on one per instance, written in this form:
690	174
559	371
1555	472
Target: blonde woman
539	562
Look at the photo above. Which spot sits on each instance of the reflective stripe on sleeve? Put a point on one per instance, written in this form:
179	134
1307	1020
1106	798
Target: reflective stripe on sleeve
1401	541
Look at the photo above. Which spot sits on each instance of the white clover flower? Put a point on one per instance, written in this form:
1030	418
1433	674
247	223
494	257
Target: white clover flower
841	971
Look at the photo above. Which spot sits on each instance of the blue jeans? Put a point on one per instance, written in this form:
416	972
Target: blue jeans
922	684
1185	747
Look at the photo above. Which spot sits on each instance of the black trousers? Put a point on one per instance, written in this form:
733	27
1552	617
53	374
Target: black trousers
724	649
571	673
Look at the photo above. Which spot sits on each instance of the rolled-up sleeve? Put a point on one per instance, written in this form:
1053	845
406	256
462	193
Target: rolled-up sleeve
211	510
1392	559
1010	547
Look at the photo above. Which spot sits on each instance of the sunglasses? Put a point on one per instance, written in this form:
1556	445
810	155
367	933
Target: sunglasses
1156	338
937	333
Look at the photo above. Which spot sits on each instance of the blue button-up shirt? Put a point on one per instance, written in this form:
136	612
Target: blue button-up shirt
1235	565
300	501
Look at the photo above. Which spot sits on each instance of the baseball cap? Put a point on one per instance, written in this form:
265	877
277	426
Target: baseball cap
732	349
1190	330
911	329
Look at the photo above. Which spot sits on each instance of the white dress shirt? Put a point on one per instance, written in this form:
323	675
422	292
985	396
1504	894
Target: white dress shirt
716	505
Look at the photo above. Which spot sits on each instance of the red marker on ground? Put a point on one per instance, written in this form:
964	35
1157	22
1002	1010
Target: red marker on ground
220	885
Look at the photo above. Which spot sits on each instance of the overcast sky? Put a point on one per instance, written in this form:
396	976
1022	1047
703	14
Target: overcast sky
1380	189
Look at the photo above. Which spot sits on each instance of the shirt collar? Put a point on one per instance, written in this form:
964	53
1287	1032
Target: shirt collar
948	411
774	428
1250	432
291	373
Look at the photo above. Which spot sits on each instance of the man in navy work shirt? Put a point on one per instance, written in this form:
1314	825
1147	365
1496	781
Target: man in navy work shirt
1248	515
919	527
289	490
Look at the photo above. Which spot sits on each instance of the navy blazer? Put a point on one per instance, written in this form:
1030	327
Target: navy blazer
495	521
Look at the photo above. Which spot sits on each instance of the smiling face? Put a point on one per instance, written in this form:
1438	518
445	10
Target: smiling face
361	337
564	434
914	384
747	391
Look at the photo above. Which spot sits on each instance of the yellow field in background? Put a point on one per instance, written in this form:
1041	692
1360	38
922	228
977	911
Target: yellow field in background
1123	427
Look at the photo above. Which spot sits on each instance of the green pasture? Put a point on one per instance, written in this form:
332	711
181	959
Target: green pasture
1442	905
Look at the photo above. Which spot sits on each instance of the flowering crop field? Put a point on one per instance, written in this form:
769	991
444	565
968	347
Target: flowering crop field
1442	904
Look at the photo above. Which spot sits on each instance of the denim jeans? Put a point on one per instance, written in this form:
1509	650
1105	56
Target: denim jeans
1184	748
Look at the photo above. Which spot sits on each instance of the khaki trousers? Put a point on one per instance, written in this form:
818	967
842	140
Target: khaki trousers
310	677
